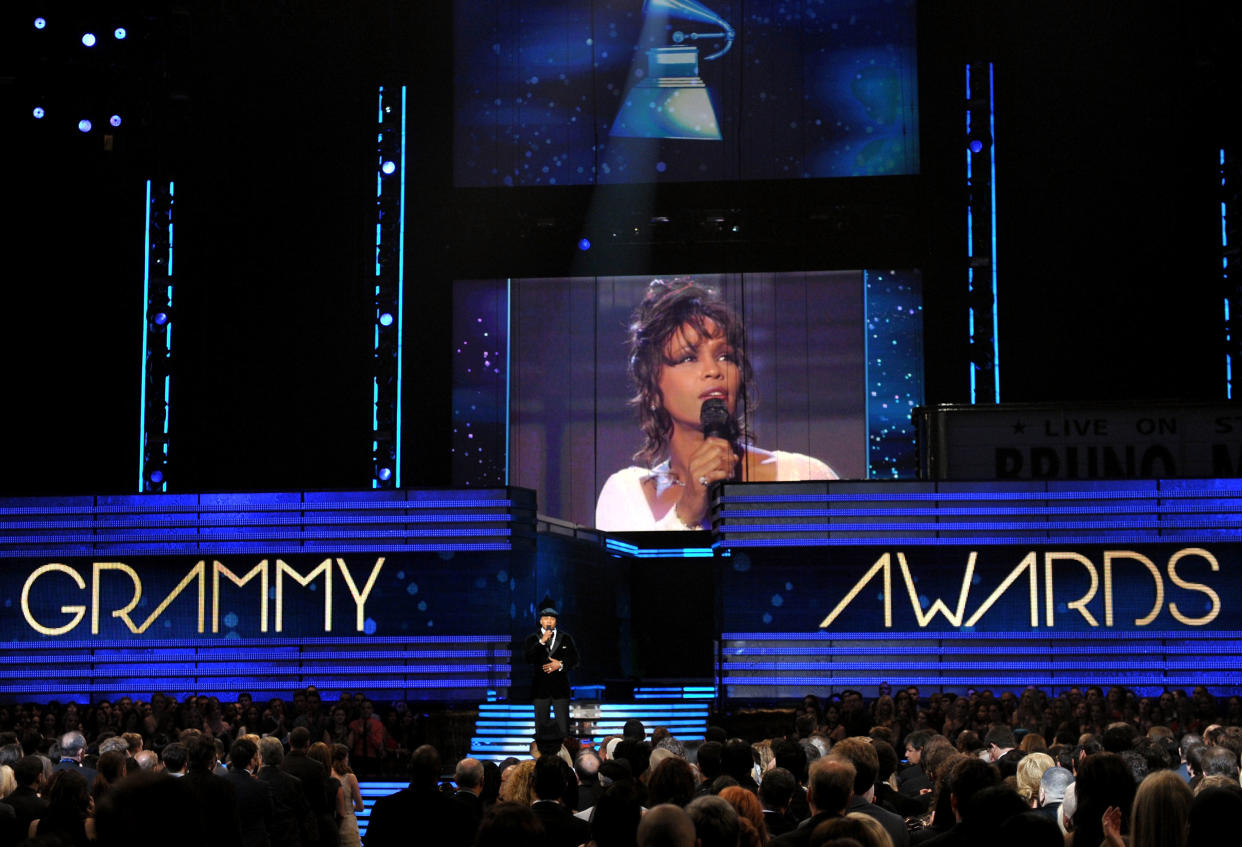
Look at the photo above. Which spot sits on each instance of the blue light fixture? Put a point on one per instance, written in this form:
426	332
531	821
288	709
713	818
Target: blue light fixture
119	33
84	125
115	120
40	23
38	112
161	318
388	167
584	245
88	39
384	474
385	319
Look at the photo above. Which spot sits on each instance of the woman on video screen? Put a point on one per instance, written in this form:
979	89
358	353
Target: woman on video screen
687	351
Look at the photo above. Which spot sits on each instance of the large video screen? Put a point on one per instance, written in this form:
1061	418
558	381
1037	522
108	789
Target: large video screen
567	92
819	372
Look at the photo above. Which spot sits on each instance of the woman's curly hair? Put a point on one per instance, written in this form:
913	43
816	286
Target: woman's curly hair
667	307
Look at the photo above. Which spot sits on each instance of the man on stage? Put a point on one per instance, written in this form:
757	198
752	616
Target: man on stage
551	653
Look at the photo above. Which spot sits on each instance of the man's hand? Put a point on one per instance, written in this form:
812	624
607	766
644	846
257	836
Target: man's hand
553	665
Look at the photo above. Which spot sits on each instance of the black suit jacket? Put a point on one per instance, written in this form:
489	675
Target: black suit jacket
894	824
217	802
28	805
291	815
554	685
563	829
470	801
418	816
254	807
778	823
801	837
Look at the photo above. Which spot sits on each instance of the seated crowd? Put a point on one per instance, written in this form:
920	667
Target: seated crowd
1082	769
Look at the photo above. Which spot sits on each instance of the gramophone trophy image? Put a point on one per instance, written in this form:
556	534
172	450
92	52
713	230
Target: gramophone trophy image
672	101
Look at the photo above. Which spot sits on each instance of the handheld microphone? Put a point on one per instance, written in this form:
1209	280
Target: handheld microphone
715	420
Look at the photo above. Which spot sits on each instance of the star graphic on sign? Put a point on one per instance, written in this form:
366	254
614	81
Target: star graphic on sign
1019	428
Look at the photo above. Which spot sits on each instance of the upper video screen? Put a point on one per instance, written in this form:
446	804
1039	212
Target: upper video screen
582	92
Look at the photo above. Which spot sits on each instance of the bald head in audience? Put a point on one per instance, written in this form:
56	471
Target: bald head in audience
666	826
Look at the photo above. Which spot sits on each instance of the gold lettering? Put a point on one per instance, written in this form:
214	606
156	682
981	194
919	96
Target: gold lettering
1109	556
1194	586
123	614
78	612
1028	563
924	618
198	572
360	599
1081	603
324	568
883	563
218	570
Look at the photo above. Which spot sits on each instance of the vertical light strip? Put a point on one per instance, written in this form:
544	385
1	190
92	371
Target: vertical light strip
379	243
399	317
992	216
142	371
508	366
1224	274
970	240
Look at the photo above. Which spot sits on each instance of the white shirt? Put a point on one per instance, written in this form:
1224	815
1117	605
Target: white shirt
623	506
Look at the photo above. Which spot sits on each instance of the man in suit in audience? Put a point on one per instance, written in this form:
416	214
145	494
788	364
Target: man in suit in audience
292	821
72	749
314	784
420	813
25	799
254	797
216	797
866	762
563	829
469	778
775	793
830	787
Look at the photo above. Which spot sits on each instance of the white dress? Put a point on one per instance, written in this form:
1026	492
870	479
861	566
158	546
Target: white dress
623	506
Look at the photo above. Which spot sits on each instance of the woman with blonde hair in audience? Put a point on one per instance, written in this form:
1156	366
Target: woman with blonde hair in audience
1030	771
520	786
754	832
1159	817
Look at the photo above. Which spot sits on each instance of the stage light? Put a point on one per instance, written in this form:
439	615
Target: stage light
38	112
119	33
584	245
160	318
88	38
84	125
388	167
384	474
157	476
976	146
40	23
385	319
115	120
